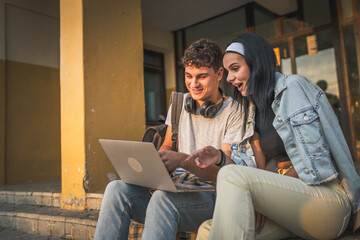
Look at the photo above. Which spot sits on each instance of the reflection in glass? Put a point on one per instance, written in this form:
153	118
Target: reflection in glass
353	77
283	57
222	29
346	8
315	59
289	25
264	22
316	13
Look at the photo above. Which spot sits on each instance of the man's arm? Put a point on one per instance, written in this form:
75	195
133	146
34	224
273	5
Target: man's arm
172	159
167	144
210	172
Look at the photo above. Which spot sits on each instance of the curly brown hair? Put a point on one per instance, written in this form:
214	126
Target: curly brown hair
203	53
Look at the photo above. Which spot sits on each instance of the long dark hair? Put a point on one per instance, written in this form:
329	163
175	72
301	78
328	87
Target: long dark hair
261	60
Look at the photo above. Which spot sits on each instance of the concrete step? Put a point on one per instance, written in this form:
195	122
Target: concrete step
12	234
49	199
46	193
49	221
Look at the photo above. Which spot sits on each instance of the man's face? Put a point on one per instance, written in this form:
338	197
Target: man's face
203	83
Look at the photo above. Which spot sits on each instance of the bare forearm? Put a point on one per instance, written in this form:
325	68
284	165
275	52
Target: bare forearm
165	148
259	155
292	173
173	160
209	173
207	162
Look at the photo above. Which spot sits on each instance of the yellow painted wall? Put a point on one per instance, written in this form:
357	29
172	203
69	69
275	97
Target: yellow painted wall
72	104
2	121
29	91
2	92
32	123
102	89
114	83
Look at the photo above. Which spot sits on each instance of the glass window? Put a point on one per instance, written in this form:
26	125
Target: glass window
153	59
180	85
222	29
316	13
154	85
346	8
180	77
289	25
283	57
179	48
315	59
353	77
264	22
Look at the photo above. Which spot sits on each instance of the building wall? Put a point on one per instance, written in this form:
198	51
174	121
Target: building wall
114	81
162	40
30	91
2	92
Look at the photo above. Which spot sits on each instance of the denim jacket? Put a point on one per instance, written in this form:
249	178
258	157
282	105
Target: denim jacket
311	134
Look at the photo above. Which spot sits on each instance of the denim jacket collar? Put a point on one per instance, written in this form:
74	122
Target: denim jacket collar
280	84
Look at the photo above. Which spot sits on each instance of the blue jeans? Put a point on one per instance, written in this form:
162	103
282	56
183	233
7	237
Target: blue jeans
166	213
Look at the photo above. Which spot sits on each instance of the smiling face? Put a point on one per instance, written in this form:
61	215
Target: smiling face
238	71
203	83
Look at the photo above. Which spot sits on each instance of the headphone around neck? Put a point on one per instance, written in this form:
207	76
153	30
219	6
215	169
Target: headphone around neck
207	110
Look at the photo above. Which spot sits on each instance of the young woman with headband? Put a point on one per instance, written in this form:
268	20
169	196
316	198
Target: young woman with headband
316	191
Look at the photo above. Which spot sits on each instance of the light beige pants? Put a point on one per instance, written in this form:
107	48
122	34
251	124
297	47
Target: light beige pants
290	206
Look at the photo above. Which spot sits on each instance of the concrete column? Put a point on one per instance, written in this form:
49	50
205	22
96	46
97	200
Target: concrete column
102	89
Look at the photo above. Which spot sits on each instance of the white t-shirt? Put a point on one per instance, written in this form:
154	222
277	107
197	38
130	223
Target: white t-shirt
196	132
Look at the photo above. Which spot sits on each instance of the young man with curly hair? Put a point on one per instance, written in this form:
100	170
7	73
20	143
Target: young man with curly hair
207	118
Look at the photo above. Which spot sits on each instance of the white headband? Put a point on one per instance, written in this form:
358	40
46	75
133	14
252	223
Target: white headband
236	47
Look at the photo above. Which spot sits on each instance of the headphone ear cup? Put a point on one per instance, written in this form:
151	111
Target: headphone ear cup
190	105
210	109
207	109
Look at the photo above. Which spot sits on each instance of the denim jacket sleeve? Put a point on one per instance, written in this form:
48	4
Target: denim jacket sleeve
349	178
317	110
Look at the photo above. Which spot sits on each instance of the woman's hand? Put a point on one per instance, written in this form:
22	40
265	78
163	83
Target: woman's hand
205	157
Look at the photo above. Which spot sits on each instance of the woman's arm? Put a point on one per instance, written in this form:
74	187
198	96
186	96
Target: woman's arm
260	158
208	156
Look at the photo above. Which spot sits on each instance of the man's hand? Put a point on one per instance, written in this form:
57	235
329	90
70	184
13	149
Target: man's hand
205	157
172	160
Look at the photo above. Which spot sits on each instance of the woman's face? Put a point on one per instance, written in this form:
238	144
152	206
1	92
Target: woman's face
238	71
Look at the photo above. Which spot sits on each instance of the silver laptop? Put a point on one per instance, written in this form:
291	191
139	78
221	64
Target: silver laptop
139	163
